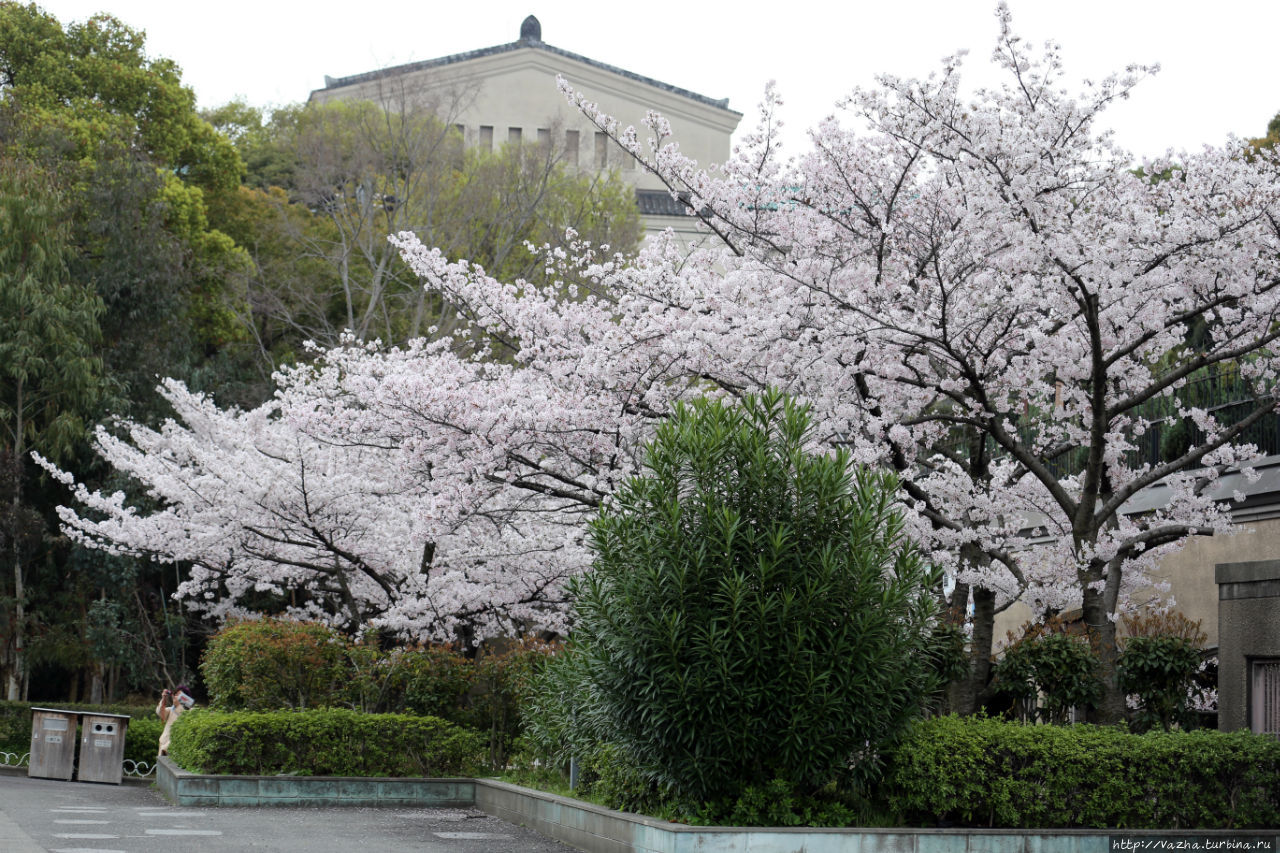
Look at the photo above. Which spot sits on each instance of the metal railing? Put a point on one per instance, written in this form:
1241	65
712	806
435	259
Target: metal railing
132	769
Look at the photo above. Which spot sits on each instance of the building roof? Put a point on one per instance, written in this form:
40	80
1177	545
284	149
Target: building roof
1261	493
661	203
530	38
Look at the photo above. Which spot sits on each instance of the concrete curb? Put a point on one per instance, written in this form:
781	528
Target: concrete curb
599	830
192	789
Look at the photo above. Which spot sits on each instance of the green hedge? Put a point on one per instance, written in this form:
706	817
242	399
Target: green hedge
975	771
332	742
275	664
142	739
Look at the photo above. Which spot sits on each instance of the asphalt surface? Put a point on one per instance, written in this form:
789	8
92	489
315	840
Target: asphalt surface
47	816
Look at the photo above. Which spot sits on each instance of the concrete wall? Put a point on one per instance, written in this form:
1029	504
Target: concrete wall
1248	627
1190	575
192	789
599	830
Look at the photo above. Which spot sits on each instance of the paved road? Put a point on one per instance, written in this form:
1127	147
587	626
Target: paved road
46	816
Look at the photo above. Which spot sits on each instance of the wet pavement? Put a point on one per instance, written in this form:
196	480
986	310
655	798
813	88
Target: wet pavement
47	816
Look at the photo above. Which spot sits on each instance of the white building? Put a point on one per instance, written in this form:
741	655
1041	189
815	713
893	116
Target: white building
508	93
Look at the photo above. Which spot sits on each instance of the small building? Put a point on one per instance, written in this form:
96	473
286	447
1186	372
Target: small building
1249	645
508	93
1231	586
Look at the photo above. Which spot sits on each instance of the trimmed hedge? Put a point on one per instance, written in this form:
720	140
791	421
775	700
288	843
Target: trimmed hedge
274	664
332	742
142	739
975	771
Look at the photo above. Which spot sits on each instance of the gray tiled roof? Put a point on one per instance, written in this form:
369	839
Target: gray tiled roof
531	39
660	203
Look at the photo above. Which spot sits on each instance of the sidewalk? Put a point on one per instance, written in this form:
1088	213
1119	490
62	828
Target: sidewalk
47	816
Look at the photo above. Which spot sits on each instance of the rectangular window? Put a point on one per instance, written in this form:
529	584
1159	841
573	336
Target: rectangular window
1264	696
602	150
462	131
544	136
513	135
571	147
486	137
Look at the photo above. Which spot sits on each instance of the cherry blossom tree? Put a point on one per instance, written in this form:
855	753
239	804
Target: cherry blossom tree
982	292
979	290
272	513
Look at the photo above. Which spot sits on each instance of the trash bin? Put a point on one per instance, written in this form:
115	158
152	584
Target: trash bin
102	747
53	743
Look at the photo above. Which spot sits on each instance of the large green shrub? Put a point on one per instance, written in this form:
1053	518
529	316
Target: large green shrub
976	771
275	663
334	742
755	611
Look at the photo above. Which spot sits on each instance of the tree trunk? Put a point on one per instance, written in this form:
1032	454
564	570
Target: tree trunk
1102	633
95	686
969	694
16	680
14	692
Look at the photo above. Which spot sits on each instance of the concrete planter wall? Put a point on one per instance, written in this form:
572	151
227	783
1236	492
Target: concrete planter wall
600	830
192	789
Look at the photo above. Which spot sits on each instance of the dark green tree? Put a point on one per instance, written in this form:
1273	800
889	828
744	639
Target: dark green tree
112	136
118	133
50	375
1272	137
755	611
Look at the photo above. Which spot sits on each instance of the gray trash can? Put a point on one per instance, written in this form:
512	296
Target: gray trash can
53	743
102	747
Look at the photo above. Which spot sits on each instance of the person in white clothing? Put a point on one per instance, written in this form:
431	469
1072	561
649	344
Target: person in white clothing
173	703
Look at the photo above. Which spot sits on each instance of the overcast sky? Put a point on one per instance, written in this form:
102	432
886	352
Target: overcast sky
1219	72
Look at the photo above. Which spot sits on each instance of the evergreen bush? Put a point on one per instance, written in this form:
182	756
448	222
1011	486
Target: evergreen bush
1158	665
266	664
755	611
1051	669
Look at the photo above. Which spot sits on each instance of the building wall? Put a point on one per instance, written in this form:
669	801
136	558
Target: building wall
517	89
1248	627
1190	574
